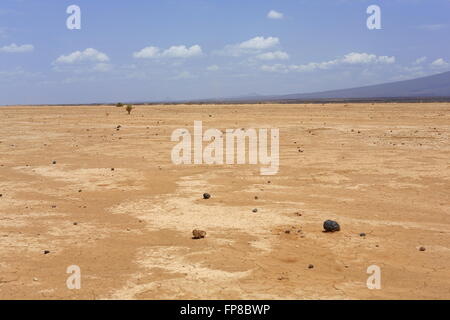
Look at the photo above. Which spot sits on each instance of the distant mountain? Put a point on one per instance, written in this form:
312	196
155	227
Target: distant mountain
435	86
432	86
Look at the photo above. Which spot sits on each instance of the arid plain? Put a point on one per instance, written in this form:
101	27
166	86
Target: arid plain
75	190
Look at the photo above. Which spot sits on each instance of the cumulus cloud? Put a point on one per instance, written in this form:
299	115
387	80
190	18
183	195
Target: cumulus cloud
147	53
88	55
275	15
365	58
353	58
275	55
252	46
172	52
259	43
440	63
420	60
14	48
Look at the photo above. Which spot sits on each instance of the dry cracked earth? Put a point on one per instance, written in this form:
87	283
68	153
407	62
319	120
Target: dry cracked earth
77	191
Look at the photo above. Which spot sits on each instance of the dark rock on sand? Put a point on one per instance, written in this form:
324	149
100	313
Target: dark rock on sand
331	226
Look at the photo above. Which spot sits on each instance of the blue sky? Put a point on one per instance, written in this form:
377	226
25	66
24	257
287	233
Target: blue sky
188	49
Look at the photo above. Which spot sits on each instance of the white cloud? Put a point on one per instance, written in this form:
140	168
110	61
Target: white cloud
183	52
252	46
14	48
259	43
275	55
213	68
88	55
279	68
147	53
102	67
440	63
420	60
365	58
275	15
353	58
173	52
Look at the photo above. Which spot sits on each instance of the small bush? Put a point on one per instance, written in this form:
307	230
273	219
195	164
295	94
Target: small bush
119	105
129	108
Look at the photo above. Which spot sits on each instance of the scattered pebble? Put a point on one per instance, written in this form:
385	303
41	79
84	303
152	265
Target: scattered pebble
331	226
422	249
35	279
46	252
54	162
362	234
206	196
311	266
255	210
198	234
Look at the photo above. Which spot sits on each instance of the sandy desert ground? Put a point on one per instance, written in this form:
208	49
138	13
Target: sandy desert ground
379	169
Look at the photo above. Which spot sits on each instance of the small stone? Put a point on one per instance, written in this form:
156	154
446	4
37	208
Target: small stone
46	251
75	223
112	169
35	279
255	210
198	234
206	196
80	190
256	198
54	162
331	226
287	231
311	266
422	249
362	234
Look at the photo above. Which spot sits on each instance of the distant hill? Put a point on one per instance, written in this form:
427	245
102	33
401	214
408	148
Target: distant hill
430	87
